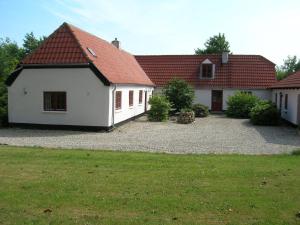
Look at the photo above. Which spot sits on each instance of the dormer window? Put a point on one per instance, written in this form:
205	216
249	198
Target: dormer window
207	70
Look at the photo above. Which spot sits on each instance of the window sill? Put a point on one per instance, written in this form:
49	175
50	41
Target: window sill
58	112
118	110
131	107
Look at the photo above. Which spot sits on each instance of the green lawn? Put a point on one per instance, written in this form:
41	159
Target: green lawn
46	186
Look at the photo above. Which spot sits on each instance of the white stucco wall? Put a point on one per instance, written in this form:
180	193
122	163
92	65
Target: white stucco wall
203	96
292	112
87	97
127	112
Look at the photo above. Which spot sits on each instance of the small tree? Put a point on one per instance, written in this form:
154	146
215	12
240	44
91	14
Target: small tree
214	45
160	108
180	94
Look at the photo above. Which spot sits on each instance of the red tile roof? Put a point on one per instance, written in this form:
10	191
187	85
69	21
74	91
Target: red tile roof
69	45
242	71
292	81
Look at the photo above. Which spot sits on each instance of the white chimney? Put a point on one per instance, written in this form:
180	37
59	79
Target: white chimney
116	43
225	57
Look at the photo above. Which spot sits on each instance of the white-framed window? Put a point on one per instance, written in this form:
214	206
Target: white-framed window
207	70
131	98
55	101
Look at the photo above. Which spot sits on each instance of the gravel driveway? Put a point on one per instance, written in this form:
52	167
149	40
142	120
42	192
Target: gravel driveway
214	134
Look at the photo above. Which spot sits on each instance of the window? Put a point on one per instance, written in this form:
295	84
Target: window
130	98
207	71
286	101
140	97
118	102
92	52
55	101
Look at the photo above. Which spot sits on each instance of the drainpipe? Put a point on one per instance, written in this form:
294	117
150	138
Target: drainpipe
113	106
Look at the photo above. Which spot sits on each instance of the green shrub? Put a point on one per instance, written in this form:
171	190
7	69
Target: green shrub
240	105
3	105
296	152
264	113
200	110
160	108
180	94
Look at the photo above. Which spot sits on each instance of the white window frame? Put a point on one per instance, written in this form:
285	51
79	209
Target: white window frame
205	62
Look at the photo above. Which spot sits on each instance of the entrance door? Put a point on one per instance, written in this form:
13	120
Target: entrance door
216	100
146	102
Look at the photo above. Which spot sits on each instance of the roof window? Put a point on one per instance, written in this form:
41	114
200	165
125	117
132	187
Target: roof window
92	52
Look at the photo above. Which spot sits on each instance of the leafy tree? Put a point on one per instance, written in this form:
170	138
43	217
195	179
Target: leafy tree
214	45
10	56
290	65
31	43
180	94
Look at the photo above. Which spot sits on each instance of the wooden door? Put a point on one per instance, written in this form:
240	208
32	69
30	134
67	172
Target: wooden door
217	100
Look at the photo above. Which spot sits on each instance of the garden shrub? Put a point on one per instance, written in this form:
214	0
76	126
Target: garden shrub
186	116
160	107
240	105
296	152
200	110
264	113
180	94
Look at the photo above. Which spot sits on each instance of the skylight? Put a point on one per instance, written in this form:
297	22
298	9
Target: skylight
92	52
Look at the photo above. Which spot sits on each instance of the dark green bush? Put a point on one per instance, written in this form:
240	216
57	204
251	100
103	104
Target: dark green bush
264	113
180	94
240	105
160	108
3	105
296	152
200	110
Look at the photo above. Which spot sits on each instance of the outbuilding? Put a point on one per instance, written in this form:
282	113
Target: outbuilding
286	95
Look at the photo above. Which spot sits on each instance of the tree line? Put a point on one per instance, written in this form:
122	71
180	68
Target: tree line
10	56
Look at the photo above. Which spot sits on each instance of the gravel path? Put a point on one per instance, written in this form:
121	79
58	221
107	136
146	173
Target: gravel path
214	134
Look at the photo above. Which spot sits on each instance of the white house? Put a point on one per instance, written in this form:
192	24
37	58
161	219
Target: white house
286	95
77	80
214	77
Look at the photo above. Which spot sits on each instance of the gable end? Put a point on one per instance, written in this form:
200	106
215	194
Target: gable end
14	75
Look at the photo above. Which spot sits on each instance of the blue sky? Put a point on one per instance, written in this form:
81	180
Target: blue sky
269	28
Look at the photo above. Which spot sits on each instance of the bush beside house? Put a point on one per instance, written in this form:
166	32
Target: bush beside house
200	110
180	94
240	105
264	113
160	108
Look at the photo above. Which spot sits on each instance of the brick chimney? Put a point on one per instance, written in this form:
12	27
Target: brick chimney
116	43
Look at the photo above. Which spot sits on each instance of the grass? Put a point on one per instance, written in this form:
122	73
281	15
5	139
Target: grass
47	186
